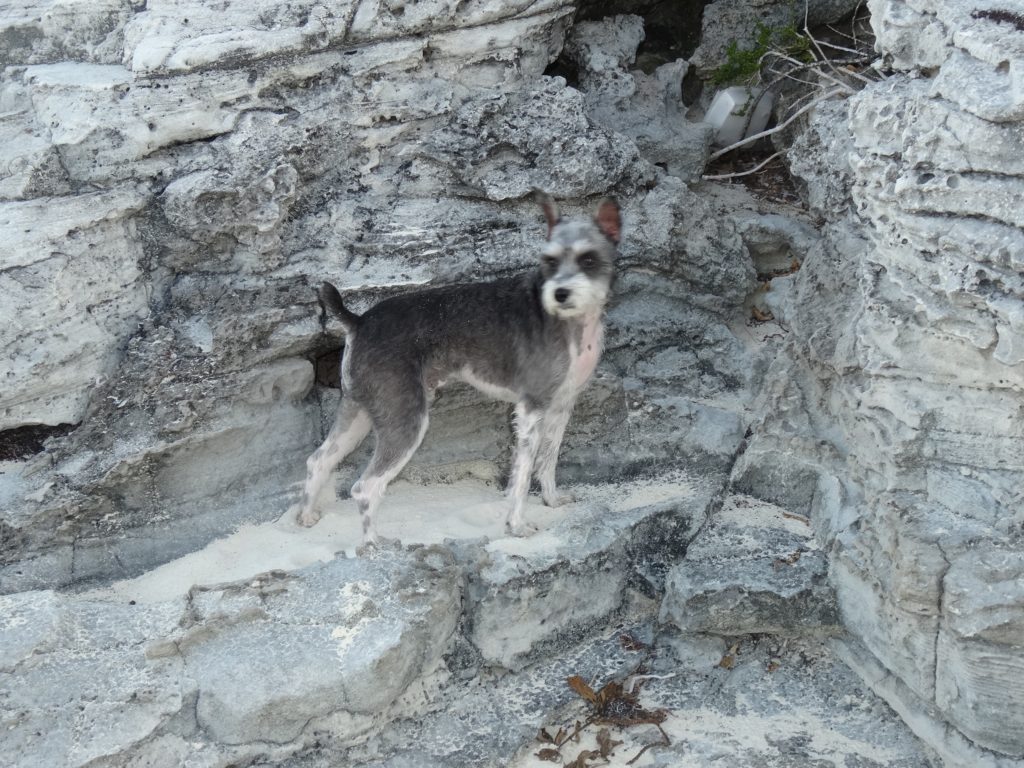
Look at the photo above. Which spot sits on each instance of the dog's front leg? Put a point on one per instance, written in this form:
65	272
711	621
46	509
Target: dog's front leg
552	432
528	421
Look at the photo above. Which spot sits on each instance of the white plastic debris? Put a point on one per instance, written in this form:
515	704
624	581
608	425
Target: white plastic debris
739	112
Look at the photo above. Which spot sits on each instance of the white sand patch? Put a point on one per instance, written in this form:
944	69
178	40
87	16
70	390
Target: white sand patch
413	514
638	493
700	737
410	513
742	510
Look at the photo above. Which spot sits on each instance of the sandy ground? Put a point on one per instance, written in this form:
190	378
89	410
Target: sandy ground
782	704
420	514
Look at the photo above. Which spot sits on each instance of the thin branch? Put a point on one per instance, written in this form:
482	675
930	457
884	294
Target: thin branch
755	169
817	46
742	143
826	75
854	20
839	47
842	34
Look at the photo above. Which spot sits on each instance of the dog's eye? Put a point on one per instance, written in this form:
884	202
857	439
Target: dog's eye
587	260
550	263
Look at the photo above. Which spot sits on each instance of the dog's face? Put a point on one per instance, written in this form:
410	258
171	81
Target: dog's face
578	261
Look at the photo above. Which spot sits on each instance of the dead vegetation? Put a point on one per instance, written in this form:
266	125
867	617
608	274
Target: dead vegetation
615	705
803	70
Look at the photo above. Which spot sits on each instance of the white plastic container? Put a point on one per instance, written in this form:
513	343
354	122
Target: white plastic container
731	115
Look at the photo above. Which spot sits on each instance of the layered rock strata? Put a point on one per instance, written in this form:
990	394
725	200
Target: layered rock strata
176	182
897	401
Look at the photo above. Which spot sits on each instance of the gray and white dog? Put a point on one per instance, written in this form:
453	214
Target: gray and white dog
532	340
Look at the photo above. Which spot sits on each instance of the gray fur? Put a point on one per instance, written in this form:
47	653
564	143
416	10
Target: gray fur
532	340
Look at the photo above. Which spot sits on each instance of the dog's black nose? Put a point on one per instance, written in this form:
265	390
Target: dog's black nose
561	294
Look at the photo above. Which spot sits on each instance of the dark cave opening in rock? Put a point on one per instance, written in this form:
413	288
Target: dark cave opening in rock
671	31
22	442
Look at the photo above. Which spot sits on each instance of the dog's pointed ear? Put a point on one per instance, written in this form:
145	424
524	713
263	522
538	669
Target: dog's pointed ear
549	208
608	219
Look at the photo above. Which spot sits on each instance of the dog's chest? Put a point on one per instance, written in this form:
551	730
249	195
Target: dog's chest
584	354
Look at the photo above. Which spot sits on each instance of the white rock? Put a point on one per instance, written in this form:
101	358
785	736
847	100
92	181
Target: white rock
87	293
738	112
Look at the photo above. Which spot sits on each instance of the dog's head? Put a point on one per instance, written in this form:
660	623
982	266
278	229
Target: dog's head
578	260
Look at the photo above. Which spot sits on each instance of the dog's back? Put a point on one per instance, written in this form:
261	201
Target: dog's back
491	334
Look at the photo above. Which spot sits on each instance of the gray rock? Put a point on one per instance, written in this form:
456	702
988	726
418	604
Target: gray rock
333	645
93	301
646	107
751	570
890	401
979	664
386	625
531	594
77	683
40	31
735	21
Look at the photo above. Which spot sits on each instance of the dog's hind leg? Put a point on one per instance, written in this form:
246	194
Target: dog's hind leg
350	427
528	421
552	431
397	441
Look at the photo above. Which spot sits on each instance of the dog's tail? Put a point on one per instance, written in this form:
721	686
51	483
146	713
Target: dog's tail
331	299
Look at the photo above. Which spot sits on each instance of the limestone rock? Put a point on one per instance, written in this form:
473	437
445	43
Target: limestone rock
72	266
891	404
96	680
349	635
44	31
84	689
646	107
535	592
751	570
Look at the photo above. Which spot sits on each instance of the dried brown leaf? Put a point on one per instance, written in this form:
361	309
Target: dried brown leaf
630	643
550	755
761	316
794	516
544	737
610	692
583	757
606	743
638	716
729	659
578	684
787	560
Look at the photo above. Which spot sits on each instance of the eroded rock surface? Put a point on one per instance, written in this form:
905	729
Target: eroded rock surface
175	179
895	401
247	153
752	570
226	667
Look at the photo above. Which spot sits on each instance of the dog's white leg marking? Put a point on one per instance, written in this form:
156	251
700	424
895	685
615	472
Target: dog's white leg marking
394	449
552	432
350	427
527	443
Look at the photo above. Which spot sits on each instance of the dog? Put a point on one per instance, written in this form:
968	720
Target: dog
533	340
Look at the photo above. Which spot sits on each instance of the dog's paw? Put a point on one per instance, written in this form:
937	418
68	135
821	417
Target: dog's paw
560	499
519	529
307	518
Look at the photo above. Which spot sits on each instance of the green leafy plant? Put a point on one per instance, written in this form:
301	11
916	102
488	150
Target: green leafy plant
742	64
